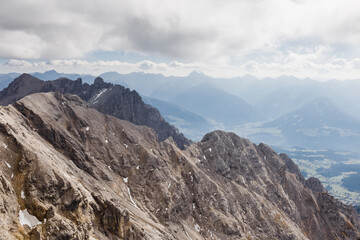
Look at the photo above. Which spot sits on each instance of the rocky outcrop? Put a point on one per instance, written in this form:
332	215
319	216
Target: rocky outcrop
107	98
86	175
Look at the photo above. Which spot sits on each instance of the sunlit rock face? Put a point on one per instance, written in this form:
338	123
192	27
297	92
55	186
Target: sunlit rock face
107	98
71	172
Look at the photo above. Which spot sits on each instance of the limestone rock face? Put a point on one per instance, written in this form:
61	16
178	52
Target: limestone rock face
107	98
80	174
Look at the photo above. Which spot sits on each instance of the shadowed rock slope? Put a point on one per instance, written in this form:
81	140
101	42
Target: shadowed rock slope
107	98
80	174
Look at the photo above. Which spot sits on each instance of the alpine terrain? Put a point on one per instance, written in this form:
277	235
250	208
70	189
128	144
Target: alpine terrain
71	172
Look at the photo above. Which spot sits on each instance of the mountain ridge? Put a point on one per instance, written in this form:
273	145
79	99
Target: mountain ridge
86	175
125	104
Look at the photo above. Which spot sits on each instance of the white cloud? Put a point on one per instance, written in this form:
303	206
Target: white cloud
290	64
229	37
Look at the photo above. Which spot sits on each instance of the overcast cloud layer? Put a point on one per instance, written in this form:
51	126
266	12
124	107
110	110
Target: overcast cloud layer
314	38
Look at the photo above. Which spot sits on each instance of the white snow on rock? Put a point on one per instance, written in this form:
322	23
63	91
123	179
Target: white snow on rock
99	94
12	175
106	141
197	228
187	234
126	146
5	146
132	200
87	128
22	195
126	180
26	218
137	167
7	164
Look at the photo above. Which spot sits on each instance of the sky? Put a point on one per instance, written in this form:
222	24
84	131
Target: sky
318	39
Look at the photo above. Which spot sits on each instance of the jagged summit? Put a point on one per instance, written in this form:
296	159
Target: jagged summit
85	175
111	99
99	83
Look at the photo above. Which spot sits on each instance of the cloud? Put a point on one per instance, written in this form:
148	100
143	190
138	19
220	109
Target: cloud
191	30
17	63
288	64
222	38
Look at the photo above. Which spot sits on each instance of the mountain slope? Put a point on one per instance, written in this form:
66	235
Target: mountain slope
85	175
216	104
53	75
192	125
319	123
117	101
6	78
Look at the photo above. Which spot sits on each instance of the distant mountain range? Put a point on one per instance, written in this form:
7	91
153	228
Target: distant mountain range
216	105
317	124
107	98
190	124
260	109
68	171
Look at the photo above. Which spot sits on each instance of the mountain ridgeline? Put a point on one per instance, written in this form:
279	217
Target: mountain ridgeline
107	98
68	171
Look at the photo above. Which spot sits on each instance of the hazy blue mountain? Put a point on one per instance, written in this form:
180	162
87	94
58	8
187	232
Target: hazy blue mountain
53	75
144	83
285	100
190	124
216	104
319	124
178	85
7	78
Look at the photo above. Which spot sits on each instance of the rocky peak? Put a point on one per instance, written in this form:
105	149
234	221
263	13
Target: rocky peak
99	83
105	97
315	185
292	167
86	175
23	85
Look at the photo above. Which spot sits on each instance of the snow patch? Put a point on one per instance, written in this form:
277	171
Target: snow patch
12	175
99	94
132	200
106	141
197	228
187	234
22	195
87	129
109	167
5	146
126	180
7	164
204	157
126	146
26	218
169	185
137	167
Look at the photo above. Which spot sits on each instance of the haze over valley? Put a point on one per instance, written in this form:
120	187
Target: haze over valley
163	120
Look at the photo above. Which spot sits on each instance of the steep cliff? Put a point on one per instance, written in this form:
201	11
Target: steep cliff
107	98
71	172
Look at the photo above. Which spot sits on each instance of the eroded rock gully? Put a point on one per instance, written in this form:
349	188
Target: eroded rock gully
86	175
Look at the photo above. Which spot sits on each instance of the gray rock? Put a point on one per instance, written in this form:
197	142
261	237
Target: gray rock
86	175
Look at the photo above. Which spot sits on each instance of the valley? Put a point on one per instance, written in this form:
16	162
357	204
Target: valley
338	171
